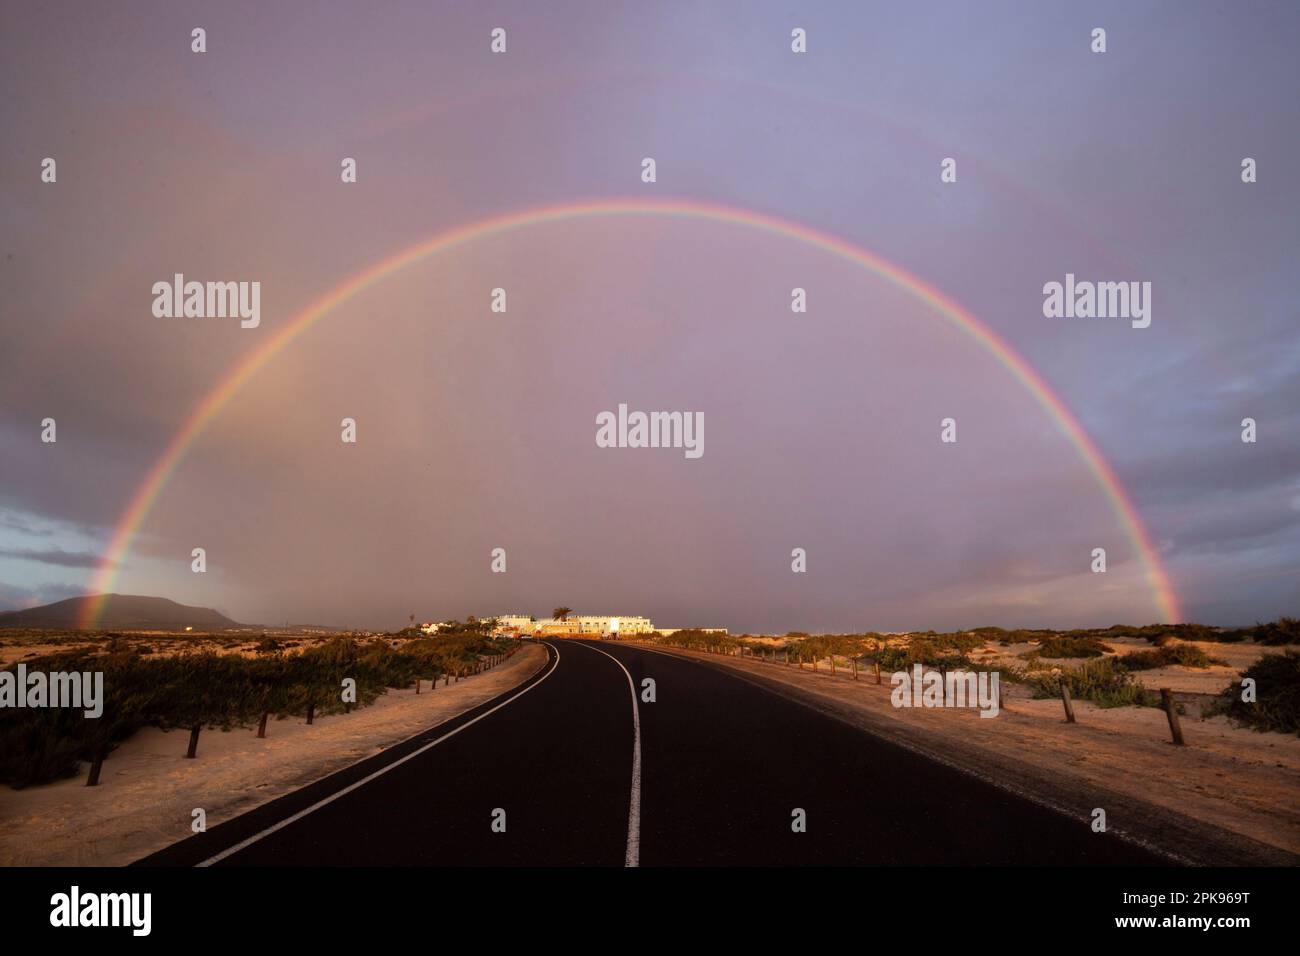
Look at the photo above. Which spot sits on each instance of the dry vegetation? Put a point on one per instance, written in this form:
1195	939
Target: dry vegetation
1112	667
224	680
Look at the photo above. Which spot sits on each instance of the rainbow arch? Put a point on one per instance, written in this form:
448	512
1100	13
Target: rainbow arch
210	406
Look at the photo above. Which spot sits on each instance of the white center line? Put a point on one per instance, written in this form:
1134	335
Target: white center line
229	851
633	857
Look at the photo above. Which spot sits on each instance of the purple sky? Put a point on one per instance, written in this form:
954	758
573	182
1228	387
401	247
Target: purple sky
477	430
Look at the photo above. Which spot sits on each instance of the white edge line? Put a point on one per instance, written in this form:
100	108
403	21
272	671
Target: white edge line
633	857
230	851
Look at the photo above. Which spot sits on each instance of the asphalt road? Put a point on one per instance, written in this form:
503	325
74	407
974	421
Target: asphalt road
586	773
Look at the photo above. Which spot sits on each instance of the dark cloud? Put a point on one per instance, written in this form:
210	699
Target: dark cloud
16	597
66	559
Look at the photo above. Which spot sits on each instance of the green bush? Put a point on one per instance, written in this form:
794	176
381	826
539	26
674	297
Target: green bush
819	646
1105	682
217	690
1285	630
1073	646
921	650
1277	689
1167	655
698	640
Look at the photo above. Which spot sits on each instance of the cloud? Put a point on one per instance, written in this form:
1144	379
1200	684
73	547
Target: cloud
16	597
57	556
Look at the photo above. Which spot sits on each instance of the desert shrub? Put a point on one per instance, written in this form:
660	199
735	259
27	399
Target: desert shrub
920	650
1104	682
818	646
962	642
38	745
1277	687
892	658
214	690
1285	630
1145	660
1232	636
699	640
1073	646
1166	655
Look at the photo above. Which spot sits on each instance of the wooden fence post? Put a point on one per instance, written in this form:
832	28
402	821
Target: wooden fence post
877	665
96	765
1065	698
261	725
1171	709
855	668
193	750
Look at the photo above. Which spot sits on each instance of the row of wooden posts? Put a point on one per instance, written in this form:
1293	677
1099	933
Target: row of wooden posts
776	657
1167	702
478	667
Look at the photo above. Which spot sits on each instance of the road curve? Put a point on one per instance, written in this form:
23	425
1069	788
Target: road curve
711	772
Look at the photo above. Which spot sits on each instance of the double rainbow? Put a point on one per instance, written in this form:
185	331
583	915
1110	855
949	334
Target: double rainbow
211	405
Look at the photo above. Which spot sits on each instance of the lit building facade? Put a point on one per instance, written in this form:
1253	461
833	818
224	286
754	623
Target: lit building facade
585	625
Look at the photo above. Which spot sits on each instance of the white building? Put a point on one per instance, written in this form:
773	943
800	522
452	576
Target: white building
514	624
610	624
594	625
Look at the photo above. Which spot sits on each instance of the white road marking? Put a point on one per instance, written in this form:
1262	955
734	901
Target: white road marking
230	851
633	857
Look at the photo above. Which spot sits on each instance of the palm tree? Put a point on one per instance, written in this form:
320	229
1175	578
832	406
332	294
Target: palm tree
561	613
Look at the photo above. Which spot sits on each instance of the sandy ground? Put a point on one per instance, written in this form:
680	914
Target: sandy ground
1199	801
148	790
28	645
1181	680
1236	657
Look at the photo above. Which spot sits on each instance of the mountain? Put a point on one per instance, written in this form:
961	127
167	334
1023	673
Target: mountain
121	612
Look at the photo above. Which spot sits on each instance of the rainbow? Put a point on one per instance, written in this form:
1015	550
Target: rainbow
210	406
